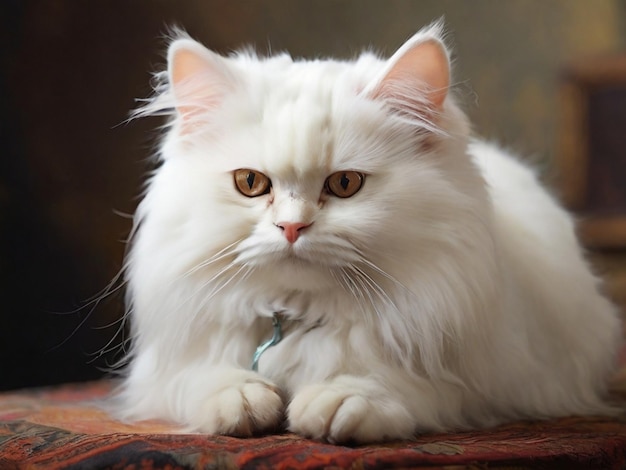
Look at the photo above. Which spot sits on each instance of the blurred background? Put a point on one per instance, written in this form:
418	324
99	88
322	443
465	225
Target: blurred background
70	167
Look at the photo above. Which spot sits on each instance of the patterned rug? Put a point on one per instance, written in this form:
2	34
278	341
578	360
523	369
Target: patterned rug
57	428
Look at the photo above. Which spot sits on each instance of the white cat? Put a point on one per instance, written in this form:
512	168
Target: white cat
421	281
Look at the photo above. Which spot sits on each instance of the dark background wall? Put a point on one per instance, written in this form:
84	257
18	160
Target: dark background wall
70	72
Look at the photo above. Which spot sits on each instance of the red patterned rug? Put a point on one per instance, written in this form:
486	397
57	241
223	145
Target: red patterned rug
56	428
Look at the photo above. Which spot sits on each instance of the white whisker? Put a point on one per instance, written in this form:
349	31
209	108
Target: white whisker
220	255
219	287
109	290
109	347
385	274
376	287
348	283
205	284
366	289
387	300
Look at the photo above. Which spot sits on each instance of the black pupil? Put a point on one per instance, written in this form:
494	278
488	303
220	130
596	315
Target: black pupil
250	179
344	182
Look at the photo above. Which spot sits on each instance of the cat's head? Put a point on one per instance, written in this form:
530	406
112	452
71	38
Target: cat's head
302	166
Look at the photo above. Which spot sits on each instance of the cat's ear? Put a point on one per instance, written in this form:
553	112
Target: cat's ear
198	78
416	79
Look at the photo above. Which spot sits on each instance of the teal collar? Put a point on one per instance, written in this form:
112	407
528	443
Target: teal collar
276	338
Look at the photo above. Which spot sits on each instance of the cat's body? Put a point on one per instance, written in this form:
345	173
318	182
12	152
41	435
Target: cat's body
448	291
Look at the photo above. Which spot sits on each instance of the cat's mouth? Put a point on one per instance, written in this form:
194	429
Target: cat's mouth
305	258
299	258
295	258
303	254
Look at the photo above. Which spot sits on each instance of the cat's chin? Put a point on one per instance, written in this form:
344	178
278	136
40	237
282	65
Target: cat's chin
294	272
296	264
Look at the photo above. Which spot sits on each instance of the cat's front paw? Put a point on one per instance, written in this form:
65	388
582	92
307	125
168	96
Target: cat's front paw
242	409
342	410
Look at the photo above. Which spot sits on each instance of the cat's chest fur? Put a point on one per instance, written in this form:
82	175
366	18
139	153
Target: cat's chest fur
313	351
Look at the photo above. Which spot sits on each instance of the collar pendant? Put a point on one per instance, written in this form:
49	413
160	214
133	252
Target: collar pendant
276	338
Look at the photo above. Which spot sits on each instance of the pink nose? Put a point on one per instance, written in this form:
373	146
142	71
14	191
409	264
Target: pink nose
292	229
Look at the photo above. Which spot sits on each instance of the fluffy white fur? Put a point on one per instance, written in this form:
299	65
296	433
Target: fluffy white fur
448	293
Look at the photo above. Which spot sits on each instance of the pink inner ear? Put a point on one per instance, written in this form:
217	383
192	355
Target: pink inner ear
197	80
184	64
420	73
426	66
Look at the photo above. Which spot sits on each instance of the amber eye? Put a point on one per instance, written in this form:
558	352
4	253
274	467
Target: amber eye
252	183
344	183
